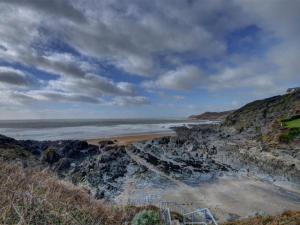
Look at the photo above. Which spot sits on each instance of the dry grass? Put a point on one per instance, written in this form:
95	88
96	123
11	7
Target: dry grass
35	197
286	218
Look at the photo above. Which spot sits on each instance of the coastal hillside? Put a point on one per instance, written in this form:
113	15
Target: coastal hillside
213	116
263	115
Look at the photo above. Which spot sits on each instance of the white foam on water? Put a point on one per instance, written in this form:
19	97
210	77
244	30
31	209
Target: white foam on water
89	132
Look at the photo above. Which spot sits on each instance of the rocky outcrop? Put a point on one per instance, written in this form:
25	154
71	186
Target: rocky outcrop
102	169
103	174
67	148
244	152
186	161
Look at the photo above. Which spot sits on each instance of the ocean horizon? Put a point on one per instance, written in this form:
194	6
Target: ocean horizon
82	129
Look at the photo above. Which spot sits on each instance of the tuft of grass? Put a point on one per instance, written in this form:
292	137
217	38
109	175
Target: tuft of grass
147	217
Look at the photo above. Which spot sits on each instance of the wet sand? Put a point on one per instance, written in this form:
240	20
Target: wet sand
235	196
129	139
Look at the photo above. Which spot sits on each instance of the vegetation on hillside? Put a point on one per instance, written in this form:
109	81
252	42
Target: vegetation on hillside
147	217
261	115
293	124
34	197
292	129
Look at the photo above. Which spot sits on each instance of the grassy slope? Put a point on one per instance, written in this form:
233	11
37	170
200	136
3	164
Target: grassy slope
34	197
292	130
293	123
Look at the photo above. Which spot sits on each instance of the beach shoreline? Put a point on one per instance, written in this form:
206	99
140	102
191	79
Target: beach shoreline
131	138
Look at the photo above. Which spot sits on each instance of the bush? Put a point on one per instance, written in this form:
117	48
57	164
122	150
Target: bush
290	136
285	138
146	217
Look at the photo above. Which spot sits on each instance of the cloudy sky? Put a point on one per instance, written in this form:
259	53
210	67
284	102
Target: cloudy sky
140	58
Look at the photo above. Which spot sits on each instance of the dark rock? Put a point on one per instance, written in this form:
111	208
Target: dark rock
8	142
164	140
50	156
100	194
104	143
108	148
71	149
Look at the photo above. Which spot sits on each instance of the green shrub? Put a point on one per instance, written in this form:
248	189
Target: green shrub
290	136
295	132
284	138
146	217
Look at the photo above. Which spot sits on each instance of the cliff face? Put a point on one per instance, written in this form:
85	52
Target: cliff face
211	116
264	115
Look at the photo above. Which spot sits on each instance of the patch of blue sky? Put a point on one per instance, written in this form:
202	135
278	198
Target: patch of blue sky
250	41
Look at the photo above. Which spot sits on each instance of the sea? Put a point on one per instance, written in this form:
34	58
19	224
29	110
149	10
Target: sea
82	129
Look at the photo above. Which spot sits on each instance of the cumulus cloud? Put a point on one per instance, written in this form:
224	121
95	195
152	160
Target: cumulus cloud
240	77
11	98
183	78
131	35
128	100
30	97
53	8
55	96
123	33
93	85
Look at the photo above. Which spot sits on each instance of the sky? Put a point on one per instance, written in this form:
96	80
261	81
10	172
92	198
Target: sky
140	58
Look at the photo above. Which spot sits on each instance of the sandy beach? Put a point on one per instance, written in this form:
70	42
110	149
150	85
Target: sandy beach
129	139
